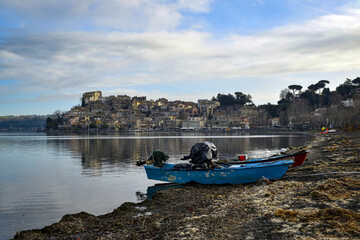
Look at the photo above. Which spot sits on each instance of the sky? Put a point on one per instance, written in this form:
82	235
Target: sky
51	52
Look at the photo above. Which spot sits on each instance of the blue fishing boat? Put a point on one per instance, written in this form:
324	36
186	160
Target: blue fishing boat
232	174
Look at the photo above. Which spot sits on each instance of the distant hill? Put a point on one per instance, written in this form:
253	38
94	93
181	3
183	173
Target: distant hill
22	123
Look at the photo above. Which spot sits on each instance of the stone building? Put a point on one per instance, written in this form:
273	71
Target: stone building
91	97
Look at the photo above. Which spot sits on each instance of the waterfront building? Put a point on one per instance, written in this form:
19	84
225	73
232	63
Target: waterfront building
194	123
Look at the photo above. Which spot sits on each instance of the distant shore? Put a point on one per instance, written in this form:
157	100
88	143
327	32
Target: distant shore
239	131
318	200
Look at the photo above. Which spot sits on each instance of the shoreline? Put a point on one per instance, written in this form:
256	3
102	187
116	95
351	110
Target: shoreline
178	130
317	200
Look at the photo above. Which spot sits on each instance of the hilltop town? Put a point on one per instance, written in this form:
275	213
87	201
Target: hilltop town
122	112
314	108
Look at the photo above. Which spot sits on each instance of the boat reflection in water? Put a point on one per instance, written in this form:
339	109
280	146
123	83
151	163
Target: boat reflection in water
151	190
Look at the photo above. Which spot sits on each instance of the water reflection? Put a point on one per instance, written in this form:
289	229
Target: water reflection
44	177
99	155
151	190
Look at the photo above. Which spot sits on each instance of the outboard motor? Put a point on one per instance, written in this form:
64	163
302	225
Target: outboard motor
157	158
202	153
212	148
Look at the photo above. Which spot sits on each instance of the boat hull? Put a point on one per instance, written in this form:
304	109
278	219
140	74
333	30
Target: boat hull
298	157
234	174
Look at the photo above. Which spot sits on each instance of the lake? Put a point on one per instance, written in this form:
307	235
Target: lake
44	177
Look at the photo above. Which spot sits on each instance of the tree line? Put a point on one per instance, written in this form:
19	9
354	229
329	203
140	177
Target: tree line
297	107
22	123
228	100
314	106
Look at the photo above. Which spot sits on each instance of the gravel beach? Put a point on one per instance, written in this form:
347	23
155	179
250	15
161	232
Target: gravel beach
318	200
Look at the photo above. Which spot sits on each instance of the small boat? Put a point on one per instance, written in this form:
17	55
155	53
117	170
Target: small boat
328	131
231	174
298	157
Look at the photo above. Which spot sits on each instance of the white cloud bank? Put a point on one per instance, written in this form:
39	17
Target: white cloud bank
124	15
160	54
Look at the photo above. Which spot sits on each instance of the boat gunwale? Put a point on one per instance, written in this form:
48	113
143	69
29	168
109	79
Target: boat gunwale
266	159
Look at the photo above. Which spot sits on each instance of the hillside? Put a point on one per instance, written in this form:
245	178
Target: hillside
22	123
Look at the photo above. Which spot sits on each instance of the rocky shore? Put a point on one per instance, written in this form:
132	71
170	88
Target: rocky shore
318	200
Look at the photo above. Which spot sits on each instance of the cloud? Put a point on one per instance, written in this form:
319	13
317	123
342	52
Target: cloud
85	60
124	15
195	6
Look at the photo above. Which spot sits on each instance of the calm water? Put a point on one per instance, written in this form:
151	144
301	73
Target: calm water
45	177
